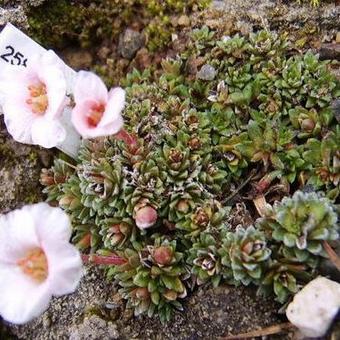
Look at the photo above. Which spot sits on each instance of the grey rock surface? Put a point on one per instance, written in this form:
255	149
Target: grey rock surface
14	11
207	72
14	15
94	328
130	42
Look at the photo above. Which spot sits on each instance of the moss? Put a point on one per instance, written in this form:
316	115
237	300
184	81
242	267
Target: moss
312	2
57	23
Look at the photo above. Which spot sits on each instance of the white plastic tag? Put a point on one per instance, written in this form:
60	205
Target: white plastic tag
16	48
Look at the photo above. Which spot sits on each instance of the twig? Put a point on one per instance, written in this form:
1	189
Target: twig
239	188
332	255
69	164
261	332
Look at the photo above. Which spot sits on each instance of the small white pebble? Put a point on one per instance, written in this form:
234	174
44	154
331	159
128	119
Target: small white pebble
314	307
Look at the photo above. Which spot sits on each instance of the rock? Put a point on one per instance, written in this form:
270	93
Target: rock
315	306
193	63
337	38
183	20
207	72
20	168
336	109
15	12
15	15
32	3
330	51
94	328
130	42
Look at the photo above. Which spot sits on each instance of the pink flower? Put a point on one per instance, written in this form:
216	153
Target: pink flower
97	112
36	261
145	217
34	99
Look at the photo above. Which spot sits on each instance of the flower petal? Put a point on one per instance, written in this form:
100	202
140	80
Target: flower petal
64	266
47	132
11	78
51	224
17	235
18	120
56	92
79	117
110	129
51	72
21	298
114	107
89	86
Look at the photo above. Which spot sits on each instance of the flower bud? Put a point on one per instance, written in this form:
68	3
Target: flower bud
146	217
307	125
142	293
201	218
175	156
46	177
183	206
194	143
163	255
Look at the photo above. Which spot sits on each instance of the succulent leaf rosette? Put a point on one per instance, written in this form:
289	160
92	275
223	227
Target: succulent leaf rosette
205	259
302	222
284	278
151	278
246	252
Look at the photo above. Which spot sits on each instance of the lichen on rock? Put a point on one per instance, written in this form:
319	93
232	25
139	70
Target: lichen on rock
20	167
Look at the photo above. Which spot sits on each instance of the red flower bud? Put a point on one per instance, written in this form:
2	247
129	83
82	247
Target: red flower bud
146	217
163	255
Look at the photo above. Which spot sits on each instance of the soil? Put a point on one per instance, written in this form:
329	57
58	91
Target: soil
95	310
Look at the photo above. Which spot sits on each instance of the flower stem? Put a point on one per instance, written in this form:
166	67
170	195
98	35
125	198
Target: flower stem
105	260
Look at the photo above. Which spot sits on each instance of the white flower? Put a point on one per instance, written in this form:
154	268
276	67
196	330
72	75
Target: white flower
34	99
98	111
36	261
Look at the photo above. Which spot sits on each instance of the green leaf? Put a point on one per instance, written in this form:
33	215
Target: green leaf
319	234
314	247
152	286
289	240
141	279
238	98
155	297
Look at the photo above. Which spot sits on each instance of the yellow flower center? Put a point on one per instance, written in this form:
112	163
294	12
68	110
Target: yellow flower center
38	100
35	265
95	115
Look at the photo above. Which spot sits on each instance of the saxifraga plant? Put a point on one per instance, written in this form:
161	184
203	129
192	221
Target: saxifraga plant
263	119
